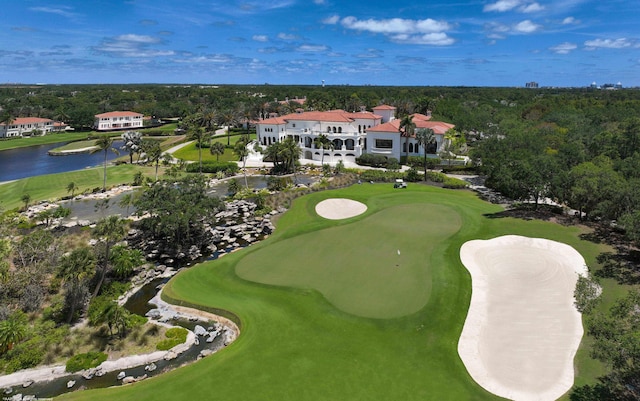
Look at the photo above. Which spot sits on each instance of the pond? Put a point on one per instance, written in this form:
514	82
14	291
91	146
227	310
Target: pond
34	160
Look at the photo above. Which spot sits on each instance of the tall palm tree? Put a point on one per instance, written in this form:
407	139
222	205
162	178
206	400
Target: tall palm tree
105	143
109	230
26	198
217	148
407	128
74	269
198	133
229	118
72	187
424	137
322	141
12	331
154	153
242	152
290	152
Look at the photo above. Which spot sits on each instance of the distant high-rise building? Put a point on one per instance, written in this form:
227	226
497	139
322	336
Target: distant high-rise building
531	84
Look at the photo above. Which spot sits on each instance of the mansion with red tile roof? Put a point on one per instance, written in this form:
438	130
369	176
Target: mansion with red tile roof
23	126
116	120
351	134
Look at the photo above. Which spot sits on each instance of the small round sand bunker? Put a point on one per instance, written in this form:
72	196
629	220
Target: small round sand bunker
522	330
340	208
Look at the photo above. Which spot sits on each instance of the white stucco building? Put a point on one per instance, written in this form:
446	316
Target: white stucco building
118	120
26	125
352	134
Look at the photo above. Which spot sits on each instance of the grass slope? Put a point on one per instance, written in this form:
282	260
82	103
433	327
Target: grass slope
54	186
295	345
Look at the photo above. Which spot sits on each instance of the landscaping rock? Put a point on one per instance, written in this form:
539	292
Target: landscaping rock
121	375
71	383
199	330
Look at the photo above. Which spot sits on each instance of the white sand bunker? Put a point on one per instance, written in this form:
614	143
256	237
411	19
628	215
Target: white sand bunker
340	208
522	330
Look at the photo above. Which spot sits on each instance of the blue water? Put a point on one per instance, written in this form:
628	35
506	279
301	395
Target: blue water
34	160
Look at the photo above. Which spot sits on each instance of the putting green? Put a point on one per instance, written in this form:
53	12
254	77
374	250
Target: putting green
377	267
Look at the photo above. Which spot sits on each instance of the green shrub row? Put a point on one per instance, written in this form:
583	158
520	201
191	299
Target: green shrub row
377	161
213	167
85	361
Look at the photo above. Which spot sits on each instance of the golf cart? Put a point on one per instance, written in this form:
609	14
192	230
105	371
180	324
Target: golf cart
400	183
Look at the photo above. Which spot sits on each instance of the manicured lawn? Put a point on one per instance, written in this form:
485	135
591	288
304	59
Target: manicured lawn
72	136
75	145
190	152
54	186
298	345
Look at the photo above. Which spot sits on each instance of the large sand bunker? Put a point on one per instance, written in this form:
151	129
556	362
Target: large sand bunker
340	208
522	330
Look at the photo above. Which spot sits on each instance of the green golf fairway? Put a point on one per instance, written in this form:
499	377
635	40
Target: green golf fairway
357	269
327	315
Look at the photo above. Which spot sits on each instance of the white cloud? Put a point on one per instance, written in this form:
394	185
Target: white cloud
564	48
63	11
433	39
531	8
331	20
502	5
287	36
132	45
312	48
395	25
526	26
569	21
620	43
260	38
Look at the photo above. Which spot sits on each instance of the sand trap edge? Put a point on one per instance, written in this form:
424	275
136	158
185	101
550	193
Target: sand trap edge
340	208
471	332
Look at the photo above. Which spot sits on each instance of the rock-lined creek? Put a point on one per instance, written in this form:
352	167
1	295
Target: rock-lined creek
234	228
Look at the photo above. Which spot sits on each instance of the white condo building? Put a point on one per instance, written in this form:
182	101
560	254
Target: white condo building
118	120
24	125
352	134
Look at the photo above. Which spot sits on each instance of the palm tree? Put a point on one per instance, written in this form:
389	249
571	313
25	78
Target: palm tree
407	128
217	148
26	198
322	141
72	187
242	152
154	153
198	133
424	137
228	118
74	269
109	230
105	143
115	315
12	331
290	152
132	141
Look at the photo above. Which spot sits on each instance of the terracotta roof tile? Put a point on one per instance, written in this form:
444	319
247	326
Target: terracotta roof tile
29	120
118	114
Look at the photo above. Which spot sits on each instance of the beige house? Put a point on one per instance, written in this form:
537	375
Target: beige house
116	120
25	126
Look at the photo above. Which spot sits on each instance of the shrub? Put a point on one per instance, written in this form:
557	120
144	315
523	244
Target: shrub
175	336
380	176
213	167
413	175
85	361
372	160
25	355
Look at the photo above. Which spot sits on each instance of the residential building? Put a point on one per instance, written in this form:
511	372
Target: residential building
116	120
531	84
351	134
26	126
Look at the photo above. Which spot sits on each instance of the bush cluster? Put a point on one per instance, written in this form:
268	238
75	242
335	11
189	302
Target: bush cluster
85	361
380	176
213	167
376	161
175	336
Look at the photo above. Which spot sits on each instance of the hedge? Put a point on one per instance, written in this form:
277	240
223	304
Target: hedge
213	167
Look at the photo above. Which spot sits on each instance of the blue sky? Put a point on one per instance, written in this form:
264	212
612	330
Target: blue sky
436	42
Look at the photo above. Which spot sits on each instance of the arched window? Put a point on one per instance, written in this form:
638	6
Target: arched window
334	130
339	130
329	129
404	147
410	148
